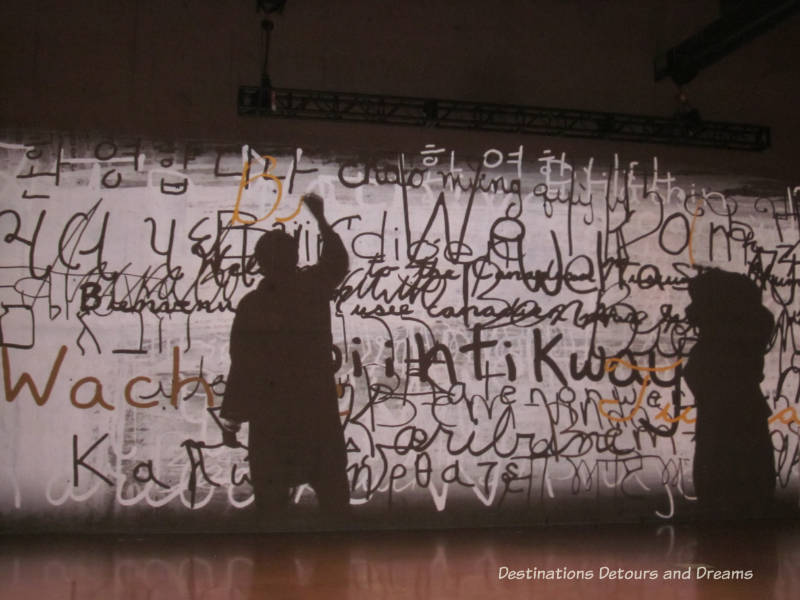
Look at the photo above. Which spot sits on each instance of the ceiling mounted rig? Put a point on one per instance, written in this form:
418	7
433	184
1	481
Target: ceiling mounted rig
685	127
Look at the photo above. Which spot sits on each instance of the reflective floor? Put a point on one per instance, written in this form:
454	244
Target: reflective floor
758	561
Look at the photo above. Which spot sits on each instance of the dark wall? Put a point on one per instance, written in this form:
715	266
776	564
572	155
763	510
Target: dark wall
172	69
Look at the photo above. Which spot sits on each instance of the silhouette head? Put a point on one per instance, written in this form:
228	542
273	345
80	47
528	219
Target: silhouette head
276	254
727	306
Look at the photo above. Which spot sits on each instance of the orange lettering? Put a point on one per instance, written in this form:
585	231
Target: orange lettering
26	379
604	401
611	365
96	399
664	415
129	399
787	416
245	181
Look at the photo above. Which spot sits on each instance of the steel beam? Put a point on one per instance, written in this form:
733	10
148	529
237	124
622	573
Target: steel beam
686	129
740	22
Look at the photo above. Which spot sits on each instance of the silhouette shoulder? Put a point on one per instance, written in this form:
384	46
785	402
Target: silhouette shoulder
248	300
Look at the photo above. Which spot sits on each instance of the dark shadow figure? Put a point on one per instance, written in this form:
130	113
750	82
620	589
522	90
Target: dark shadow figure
281	378
734	470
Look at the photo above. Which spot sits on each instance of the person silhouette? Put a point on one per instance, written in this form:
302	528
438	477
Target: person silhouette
734	466
281	378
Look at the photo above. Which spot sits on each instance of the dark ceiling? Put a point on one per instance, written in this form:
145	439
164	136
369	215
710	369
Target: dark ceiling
173	68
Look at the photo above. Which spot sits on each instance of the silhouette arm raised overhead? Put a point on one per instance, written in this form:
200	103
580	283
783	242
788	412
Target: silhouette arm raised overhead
333	262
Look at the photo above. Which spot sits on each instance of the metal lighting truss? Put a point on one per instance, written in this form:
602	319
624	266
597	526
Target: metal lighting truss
683	129
740	21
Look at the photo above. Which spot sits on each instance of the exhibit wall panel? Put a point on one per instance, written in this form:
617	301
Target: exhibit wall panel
510	338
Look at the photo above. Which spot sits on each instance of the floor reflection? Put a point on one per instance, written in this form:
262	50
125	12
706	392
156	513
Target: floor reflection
430	564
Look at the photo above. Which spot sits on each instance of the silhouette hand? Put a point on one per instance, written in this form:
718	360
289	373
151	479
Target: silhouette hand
229	430
314	203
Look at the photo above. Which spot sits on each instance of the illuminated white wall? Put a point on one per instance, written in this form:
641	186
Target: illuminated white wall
485	292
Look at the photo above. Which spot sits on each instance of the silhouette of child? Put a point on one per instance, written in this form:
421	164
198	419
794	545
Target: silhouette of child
734	471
